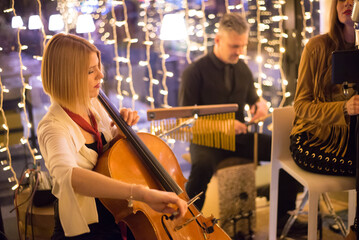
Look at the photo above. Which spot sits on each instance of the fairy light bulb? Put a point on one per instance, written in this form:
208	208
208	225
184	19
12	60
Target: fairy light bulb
56	22
173	27
35	22
16	22
85	24
259	59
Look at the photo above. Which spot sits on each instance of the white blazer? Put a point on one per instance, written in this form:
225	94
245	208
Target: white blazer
63	147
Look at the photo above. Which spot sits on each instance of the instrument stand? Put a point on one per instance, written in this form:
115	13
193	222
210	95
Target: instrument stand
356	87
356	224
239	235
2	231
247	215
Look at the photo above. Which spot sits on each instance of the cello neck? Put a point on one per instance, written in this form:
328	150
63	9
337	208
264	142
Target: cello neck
149	160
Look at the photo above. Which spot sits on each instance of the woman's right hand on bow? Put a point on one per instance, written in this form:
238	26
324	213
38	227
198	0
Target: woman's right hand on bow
162	201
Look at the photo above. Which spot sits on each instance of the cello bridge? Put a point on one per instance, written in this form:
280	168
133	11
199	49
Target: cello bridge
187	222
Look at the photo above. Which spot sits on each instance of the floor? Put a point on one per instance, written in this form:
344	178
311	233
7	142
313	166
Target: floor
339	205
261	231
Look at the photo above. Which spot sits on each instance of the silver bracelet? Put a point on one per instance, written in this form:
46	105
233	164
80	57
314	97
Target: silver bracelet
130	199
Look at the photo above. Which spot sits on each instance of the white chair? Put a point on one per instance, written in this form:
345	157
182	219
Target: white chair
315	184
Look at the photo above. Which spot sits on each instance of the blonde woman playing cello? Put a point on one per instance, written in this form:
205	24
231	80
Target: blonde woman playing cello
74	132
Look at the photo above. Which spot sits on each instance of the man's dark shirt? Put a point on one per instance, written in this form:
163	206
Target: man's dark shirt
203	84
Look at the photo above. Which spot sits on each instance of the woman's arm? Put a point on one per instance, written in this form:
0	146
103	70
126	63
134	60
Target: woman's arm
309	101
90	183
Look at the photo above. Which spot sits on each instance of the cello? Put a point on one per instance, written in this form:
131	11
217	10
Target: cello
142	158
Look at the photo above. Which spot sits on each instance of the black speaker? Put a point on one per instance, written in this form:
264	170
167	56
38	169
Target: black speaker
345	66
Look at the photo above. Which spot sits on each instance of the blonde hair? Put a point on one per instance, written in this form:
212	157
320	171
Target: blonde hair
64	70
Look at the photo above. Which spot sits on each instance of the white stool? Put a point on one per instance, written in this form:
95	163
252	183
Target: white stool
316	184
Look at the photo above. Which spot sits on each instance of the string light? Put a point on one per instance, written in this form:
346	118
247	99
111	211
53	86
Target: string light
6	148
6	127
128	49
188	41
42	25
69	13
163	57
23	93
307	16
284	82
226	4
148	45
118	76
204	24
259	57
311	30
22	103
